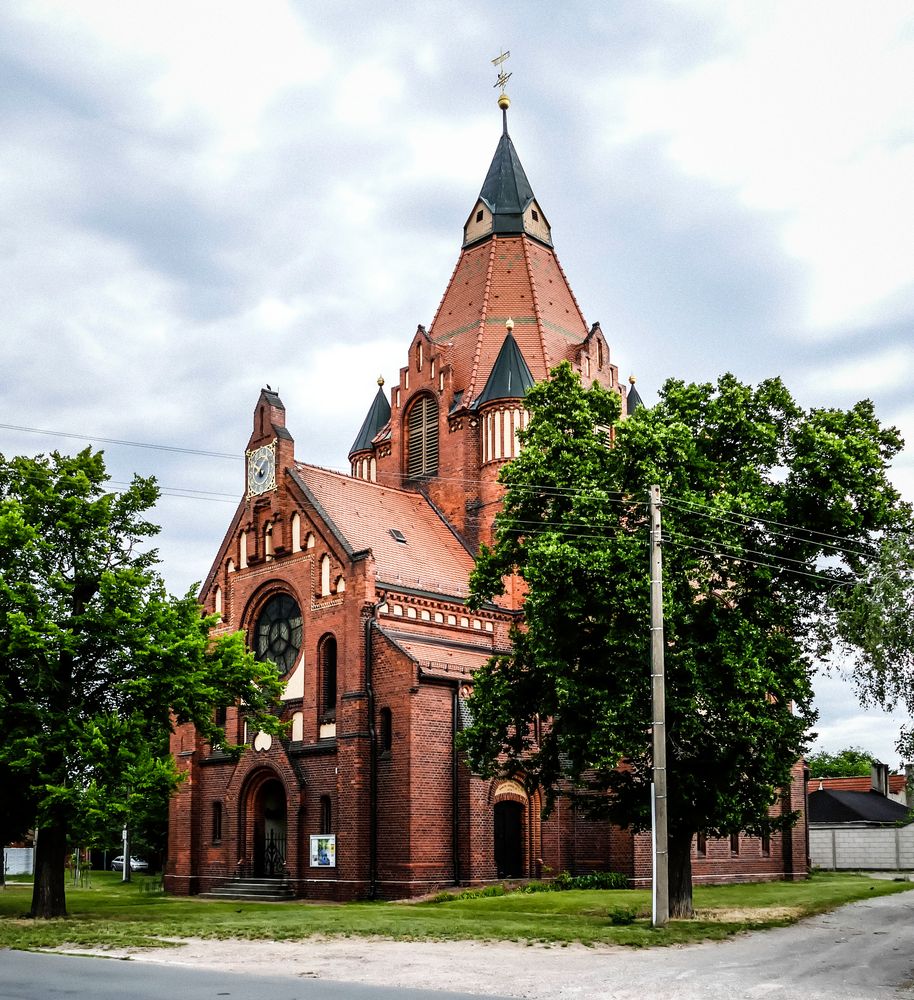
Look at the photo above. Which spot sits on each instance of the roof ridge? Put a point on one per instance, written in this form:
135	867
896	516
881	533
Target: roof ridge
537	313
470	392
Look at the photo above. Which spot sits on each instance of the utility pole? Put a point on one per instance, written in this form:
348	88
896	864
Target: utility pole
661	859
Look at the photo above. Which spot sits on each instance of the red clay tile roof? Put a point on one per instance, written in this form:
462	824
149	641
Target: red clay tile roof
507	276
363	513
856	784
436	659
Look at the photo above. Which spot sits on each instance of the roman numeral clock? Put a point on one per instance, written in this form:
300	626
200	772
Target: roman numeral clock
262	469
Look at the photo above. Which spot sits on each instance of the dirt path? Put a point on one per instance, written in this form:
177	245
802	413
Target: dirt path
864	951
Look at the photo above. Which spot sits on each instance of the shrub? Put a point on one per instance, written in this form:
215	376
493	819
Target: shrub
596	880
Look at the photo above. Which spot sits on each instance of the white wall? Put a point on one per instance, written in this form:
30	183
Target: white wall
852	846
17	860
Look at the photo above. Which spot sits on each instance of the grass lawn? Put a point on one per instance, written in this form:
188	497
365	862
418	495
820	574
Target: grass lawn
110	914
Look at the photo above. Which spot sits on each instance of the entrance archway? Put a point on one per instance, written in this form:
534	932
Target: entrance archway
270	829
509	839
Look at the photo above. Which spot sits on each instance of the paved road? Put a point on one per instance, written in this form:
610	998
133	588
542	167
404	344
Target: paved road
29	976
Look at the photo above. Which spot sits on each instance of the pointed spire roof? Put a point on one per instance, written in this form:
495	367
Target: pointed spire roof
509	198
510	377
632	397
377	417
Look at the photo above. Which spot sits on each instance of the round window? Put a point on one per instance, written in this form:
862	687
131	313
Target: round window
277	636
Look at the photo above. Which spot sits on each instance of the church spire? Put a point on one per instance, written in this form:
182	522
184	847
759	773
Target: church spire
506	205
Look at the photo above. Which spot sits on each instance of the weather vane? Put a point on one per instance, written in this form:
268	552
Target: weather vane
503	77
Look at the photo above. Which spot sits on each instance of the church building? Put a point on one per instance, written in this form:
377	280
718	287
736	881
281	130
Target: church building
355	584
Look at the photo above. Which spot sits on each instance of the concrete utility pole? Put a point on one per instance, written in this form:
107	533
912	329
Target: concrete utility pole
661	858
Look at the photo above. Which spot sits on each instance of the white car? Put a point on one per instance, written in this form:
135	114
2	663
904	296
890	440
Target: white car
136	864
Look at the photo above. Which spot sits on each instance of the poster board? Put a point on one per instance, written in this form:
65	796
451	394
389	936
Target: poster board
323	850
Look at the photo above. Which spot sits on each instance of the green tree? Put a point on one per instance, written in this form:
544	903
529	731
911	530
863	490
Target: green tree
875	623
846	763
743	590
96	659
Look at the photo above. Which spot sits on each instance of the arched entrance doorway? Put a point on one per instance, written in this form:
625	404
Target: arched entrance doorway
509	839
269	807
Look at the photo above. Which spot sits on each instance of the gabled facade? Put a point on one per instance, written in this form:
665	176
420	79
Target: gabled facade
356	586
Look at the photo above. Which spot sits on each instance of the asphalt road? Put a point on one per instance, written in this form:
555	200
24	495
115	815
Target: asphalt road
31	976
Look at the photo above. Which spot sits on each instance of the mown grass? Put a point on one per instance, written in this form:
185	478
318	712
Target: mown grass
110	914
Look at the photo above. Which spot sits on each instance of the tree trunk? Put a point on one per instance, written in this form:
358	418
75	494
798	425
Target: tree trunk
48	893
680	848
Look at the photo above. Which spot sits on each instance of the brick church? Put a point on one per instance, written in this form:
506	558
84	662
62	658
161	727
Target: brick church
356	585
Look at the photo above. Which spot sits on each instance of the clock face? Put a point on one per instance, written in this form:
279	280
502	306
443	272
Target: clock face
262	469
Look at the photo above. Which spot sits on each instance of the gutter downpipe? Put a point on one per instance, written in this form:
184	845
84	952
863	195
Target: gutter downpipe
372	762
455	791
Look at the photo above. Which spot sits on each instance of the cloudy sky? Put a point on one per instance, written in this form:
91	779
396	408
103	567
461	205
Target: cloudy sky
203	196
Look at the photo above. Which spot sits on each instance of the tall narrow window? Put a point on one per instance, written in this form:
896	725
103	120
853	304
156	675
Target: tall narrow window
328	679
387	729
217	822
325	575
701	845
422	438
766	844
734	844
326	820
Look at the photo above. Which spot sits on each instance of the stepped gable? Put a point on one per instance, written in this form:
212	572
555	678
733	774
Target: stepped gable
363	514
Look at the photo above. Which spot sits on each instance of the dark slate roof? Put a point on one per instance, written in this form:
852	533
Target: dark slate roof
510	377
828	806
377	417
632	399
506	190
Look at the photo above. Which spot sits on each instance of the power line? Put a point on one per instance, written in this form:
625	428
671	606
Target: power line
127	444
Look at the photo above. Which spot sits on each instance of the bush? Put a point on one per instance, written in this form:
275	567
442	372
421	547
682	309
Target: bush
489	890
596	880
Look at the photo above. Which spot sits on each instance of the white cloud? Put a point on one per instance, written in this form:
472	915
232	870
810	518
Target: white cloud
804	114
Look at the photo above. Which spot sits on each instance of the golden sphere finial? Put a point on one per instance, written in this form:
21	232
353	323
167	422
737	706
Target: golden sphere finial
504	102
632	380
509	324
381	381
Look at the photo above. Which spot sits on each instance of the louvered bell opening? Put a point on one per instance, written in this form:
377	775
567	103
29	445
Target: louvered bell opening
422	429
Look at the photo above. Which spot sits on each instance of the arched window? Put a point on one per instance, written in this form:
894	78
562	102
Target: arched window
422	438
217	600
243	550
325	575
296	532
387	729
278	632
326	815
328	679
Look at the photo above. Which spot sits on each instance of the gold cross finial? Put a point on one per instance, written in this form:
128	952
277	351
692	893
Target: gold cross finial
503	77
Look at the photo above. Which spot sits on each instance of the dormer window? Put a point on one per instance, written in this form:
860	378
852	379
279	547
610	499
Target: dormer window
479	215
534	215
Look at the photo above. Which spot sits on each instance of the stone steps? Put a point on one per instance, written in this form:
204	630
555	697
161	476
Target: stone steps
264	890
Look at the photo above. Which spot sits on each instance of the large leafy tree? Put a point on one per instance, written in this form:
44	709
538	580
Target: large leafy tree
875	623
846	763
96	659
767	509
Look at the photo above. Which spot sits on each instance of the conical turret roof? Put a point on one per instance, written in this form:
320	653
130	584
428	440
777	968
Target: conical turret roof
377	417
510	377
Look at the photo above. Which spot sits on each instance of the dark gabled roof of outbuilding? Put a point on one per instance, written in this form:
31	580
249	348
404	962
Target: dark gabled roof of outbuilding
828	806
510	377
377	417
